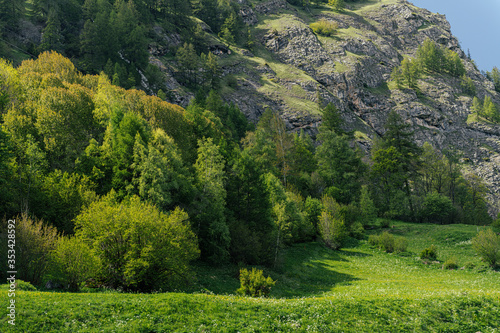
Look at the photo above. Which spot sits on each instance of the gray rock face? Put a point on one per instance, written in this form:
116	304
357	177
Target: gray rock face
291	69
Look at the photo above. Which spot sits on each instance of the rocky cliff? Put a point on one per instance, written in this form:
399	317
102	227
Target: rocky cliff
291	69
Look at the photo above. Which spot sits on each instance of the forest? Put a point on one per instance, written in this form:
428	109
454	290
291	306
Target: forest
243	166
123	180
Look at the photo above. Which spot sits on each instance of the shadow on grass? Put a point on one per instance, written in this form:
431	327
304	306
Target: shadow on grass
307	269
310	269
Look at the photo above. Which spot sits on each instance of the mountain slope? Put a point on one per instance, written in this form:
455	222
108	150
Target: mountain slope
292	69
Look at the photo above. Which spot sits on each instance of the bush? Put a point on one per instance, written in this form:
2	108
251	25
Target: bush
384	223
74	262
34	242
25	286
469	265
373	240
367	207
429	253
400	244
450	264
332	230
386	242
357	230
467	85
324	27
253	283
496	222
487	245
140	247
437	208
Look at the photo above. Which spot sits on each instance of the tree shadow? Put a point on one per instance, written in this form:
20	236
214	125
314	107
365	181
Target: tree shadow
307	269
310	269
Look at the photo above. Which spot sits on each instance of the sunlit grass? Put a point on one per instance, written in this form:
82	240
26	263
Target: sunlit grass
357	289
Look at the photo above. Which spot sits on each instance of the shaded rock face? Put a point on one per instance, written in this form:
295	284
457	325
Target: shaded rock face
291	69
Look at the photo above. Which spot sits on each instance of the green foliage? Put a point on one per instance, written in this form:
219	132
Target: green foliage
254	284
25	286
337	5
291	224
400	244
408	73
471	198
487	245
340	166
63	197
332	230
252	229
494	76
386	242
312	211
331	120
496	222
437	208
373	240
429	253
357	231
435	58
34	242
159	173
468	86
140	247
324	27
486	109
450	263
395	165
384	223
367	207
213	232
73	262
302	163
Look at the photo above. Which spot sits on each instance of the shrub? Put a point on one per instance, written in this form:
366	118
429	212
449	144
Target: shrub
367	207
332	230
467	85
357	230
373	240
337	5
429	253
450	264
437	208
34	242
496	222
400	244
487	245
253	283
23	285
324	27
384	223
386	242
140	247
469	265
74	262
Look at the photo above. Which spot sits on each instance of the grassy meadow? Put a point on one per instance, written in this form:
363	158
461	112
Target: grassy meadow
357	289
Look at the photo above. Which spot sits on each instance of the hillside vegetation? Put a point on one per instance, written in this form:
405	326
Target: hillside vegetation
160	156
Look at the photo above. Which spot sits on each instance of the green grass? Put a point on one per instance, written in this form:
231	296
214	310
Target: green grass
357	289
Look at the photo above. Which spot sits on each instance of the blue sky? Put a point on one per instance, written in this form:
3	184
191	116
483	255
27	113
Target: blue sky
476	24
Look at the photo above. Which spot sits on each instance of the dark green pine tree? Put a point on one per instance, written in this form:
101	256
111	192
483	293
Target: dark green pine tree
52	38
399	155
251	226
